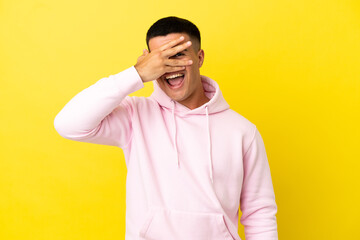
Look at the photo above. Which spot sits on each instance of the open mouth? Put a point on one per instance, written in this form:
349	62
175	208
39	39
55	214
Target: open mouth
175	80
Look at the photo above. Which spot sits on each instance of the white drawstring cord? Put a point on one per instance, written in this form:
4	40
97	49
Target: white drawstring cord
209	144
175	133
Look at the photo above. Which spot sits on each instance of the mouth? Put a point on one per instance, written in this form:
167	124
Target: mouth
174	80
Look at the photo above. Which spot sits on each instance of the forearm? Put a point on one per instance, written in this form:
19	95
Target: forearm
84	112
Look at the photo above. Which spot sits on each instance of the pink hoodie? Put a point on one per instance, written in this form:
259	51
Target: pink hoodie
188	170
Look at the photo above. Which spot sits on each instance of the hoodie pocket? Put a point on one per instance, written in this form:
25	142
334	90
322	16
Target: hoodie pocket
165	224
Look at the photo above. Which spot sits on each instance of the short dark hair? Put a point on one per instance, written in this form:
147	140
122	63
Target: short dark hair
167	25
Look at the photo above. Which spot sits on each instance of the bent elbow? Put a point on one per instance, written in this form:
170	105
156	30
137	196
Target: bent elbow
60	126
67	128
74	130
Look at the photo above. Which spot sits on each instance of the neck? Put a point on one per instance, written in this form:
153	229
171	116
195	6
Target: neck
196	101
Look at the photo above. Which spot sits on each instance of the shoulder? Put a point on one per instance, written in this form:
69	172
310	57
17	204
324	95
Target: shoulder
234	125
237	121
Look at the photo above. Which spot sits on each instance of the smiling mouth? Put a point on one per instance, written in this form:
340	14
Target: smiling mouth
175	80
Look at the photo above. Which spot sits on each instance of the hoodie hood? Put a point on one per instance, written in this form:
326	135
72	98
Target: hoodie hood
216	104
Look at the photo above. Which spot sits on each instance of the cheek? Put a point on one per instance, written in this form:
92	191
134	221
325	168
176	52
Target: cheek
161	84
192	70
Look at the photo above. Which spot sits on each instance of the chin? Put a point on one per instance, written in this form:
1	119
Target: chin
176	97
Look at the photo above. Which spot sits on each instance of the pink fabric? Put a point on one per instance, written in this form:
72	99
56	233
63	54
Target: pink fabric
188	170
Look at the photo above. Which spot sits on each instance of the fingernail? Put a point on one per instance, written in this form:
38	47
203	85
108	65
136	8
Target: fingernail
190	61
188	43
182	38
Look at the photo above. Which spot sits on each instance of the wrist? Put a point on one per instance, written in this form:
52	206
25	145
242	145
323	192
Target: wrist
140	72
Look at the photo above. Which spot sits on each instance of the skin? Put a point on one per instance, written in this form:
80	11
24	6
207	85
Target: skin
170	54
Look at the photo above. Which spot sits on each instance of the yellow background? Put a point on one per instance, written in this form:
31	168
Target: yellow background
290	67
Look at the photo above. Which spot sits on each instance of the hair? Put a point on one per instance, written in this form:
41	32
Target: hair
167	25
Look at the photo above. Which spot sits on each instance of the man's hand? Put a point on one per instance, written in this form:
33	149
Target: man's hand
153	65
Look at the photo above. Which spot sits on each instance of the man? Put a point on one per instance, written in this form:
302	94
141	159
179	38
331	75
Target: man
191	161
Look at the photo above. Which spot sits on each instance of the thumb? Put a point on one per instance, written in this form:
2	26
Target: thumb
145	52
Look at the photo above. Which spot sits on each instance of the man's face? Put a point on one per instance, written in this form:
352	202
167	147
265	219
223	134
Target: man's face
182	86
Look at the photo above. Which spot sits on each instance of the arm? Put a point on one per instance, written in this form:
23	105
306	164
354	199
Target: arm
257	201
98	114
101	113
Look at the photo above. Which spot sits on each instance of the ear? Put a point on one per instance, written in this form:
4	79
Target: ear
201	57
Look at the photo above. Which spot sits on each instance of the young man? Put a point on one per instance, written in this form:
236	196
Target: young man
191	160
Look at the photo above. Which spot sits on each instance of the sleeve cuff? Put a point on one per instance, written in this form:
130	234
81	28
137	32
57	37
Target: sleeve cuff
129	80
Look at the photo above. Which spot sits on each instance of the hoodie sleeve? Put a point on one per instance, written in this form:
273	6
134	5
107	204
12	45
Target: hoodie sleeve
257	201
101	113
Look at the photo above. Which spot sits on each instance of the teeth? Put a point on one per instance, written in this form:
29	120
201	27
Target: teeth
174	76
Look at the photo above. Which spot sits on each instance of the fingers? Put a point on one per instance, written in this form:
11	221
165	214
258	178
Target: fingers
153	64
173	69
178	62
174	65
145	52
140	58
172	51
171	43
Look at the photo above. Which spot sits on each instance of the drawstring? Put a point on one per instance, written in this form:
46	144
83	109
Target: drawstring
175	133
209	140
209	143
